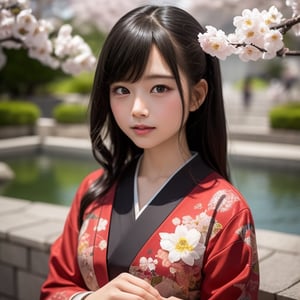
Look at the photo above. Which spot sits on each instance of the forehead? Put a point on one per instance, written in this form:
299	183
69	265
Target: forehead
156	63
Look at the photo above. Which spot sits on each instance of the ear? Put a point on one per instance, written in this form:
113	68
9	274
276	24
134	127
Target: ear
199	92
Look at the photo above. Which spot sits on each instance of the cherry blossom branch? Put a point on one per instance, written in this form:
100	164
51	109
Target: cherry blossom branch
11	38
237	45
287	25
19	28
258	35
287	52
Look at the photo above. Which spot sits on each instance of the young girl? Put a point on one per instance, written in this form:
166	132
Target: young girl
160	220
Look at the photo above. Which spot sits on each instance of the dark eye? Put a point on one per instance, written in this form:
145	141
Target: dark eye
160	89
120	90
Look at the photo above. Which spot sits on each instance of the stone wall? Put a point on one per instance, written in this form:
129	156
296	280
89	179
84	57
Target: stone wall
26	232
22	271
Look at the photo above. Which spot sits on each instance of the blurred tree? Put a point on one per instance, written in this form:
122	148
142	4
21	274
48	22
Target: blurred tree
34	51
24	75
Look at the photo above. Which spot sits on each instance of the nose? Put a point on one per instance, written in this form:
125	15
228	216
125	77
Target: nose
139	108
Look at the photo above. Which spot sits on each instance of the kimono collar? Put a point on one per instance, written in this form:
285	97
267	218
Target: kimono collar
137	209
127	234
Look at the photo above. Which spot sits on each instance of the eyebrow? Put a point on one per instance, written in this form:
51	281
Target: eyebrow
152	76
159	76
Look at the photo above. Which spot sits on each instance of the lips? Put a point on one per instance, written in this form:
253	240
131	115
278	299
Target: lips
142	129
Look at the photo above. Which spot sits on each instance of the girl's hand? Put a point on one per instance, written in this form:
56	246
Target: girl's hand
126	287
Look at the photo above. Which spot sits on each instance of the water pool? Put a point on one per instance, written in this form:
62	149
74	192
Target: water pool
272	193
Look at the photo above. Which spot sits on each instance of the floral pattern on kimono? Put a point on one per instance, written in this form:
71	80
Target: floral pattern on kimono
185	256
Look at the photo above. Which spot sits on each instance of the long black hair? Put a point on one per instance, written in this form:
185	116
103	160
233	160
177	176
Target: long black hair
124	56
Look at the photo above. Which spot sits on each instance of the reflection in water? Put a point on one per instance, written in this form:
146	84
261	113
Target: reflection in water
51	179
273	194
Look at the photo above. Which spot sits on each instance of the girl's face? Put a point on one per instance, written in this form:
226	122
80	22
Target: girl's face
149	111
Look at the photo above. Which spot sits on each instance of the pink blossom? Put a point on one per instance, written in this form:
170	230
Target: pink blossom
215	43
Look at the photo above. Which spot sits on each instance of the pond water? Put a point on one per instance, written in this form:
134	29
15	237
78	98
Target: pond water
273	194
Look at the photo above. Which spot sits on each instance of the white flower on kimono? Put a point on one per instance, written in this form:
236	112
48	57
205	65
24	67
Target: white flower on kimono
176	221
200	222
230	198
187	220
103	244
148	264
198	206
101	225
184	244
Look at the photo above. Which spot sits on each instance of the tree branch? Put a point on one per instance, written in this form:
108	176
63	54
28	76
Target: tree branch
287	25
286	52
237	45
11	39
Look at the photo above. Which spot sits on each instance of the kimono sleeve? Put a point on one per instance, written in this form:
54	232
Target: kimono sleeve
64	278
231	266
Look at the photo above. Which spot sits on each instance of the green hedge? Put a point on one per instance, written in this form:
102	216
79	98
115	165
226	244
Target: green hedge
70	113
81	84
18	113
286	116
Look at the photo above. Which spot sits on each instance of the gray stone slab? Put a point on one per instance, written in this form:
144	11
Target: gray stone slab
265	150
279	241
14	255
279	271
38	236
29	286
7	286
39	262
19	144
264	253
8	204
291	293
48	211
16	220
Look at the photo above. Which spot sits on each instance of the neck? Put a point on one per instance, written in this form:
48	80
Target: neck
157	164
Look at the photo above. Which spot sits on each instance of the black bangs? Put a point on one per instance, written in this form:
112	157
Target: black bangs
128	57
131	47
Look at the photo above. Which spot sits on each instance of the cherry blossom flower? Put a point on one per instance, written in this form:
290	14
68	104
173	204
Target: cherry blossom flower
295	5
272	16
25	24
184	244
249	19
273	43
19	28
215	42
258	35
248	53
7	21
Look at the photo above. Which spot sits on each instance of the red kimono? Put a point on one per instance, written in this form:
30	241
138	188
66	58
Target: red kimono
195	240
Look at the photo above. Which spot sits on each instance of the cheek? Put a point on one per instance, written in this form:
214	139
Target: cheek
117	110
173	111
